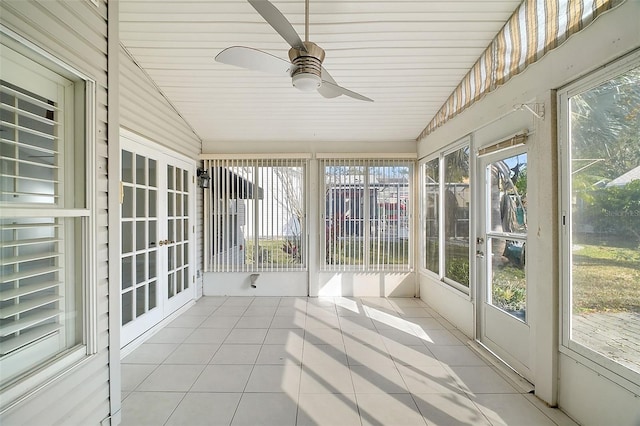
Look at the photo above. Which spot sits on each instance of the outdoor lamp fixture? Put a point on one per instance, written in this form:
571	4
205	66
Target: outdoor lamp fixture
203	178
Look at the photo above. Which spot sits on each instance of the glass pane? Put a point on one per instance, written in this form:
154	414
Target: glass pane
152	295
185	224
127	307
178	281
171	230
186	253
431	214
178	205
127	272
141	202
508	280
127	237
127	167
171	285
185	205
456	205
178	186
127	202
170	205
170	258
605	214
508	195
141	238
153	255
170	177
141	175
185	181
153	238
178	255
141	293
152	173
186	277
140	268
179	230
153	204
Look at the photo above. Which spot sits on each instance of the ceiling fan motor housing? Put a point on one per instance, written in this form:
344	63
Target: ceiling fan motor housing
307	70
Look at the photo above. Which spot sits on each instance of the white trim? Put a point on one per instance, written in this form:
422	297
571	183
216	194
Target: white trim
45	211
43	54
113	204
276	156
149	143
367	155
46	375
90	229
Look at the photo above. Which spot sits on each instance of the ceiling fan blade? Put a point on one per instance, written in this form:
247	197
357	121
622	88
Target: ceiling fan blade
254	59
331	90
276	19
326	90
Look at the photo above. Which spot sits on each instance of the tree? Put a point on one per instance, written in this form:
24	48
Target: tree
616	210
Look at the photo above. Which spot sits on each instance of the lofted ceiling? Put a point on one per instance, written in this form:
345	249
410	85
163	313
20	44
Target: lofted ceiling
406	55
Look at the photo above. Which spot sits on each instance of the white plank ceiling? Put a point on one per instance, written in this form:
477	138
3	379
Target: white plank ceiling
406	55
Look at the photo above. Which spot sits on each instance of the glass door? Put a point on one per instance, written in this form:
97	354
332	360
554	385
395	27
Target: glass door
501	251
156	228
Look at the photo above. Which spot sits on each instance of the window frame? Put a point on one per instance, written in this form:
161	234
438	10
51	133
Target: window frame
464	142
610	369
80	128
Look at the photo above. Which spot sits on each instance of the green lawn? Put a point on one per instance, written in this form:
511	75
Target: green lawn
606	279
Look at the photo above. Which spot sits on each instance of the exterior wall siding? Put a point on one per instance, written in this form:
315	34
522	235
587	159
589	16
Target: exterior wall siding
75	33
146	112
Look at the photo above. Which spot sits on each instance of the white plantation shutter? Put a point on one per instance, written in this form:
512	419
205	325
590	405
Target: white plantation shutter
39	314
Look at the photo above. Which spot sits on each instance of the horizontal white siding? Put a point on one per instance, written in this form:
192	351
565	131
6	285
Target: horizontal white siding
76	33
145	111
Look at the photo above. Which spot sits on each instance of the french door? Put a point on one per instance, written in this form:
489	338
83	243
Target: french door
503	317
157	251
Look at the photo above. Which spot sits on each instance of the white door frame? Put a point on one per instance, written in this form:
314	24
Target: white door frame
504	335
166	306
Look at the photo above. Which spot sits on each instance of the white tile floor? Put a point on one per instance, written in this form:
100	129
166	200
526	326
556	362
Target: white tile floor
317	361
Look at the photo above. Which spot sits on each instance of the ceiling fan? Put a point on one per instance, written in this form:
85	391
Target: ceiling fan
305	66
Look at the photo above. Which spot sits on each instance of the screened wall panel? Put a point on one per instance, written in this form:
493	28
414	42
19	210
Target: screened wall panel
367	214
257	215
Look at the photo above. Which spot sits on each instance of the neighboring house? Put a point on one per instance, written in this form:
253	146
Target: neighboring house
622	180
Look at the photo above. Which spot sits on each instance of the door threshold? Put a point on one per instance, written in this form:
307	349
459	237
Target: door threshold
502	368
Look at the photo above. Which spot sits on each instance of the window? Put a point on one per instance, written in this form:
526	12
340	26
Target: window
431	215
367	222
600	116
446	223
258	215
44	216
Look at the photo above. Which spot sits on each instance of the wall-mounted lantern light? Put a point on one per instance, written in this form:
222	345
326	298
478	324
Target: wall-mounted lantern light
203	178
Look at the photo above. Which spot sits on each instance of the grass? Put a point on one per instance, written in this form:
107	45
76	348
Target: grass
509	288
606	279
